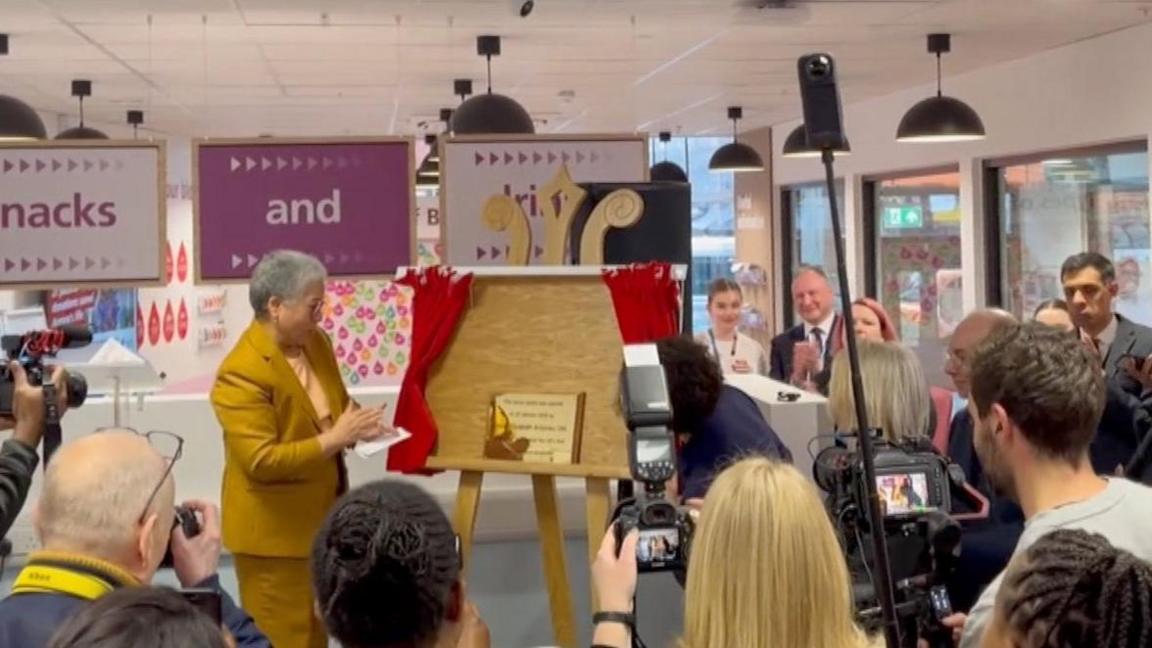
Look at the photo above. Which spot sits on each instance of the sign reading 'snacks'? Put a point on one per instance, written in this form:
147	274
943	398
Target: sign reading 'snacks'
347	202
81	213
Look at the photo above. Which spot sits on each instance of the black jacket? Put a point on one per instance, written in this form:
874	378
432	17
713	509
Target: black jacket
783	345
17	463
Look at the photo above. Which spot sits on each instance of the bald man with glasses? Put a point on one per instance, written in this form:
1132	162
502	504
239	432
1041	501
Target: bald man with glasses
105	520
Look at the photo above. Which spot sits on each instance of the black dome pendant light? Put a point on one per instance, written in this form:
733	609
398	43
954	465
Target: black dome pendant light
940	118
666	171
796	145
136	120
735	157
17	119
81	89
491	113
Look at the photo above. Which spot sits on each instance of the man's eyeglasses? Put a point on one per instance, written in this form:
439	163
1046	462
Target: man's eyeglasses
169	446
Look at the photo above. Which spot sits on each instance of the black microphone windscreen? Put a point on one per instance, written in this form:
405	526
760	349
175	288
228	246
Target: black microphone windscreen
76	335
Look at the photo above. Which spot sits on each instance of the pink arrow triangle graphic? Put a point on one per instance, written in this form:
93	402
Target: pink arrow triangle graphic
479	159
265	164
249	164
564	156
87	165
23	166
327	163
579	157
56	165
480	254
508	158
7	166
8	265
41	264
312	163
296	163
39	165
523	158
73	263
233	164
88	263
72	165
24	264
536	158
341	163
56	264
281	163
104	263
495	253
551	157
493	158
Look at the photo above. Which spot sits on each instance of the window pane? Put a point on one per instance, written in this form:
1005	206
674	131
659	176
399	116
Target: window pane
1053	208
918	262
812	229
713	215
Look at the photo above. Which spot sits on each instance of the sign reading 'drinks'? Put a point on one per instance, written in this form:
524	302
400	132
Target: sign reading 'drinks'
81	214
475	168
347	202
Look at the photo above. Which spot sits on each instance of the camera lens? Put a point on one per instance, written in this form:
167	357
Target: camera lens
819	67
77	390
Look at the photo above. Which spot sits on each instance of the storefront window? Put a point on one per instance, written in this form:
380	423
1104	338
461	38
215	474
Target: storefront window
713	215
810	221
917	250
1054	206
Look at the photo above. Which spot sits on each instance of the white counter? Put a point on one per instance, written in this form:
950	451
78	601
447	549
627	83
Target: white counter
796	422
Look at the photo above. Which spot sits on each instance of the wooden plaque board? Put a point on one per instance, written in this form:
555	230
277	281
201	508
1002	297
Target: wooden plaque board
532	334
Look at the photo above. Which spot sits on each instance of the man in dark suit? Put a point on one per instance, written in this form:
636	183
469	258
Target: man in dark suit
1125	349
801	354
987	545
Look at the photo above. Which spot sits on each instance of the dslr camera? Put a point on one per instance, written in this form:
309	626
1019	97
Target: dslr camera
30	350
665	529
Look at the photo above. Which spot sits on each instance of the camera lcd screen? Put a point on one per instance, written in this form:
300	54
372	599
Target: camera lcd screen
904	493
658	547
648	451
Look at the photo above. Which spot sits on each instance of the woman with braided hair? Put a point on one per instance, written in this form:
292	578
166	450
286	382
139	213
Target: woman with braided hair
1073	589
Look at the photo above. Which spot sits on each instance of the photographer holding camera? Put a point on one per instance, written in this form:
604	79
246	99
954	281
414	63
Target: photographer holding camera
105	520
18	458
790	586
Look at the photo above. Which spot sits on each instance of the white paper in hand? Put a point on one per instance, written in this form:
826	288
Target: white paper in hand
368	448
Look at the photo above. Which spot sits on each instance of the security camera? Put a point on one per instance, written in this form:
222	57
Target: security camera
526	8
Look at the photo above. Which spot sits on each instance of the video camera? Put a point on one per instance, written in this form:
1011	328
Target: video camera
916	487
665	529
30	350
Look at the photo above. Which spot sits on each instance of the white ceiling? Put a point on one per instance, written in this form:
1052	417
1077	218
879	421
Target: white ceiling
311	67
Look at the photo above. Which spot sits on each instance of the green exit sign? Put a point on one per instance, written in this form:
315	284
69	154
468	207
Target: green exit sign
906	217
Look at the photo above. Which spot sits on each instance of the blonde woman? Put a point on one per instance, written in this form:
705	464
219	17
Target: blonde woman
895	392
765	569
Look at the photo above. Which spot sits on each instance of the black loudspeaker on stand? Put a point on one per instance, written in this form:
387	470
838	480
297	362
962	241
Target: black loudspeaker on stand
822	120
663	233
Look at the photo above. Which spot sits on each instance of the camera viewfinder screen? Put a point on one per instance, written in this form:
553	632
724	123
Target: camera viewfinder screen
657	546
903	493
648	451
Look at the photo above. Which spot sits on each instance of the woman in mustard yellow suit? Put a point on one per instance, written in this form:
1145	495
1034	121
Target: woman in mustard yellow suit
287	419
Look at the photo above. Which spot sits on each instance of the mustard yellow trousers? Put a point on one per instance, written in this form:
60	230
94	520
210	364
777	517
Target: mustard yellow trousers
277	592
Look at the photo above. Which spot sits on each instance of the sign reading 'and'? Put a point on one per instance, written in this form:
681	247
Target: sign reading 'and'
347	202
81	214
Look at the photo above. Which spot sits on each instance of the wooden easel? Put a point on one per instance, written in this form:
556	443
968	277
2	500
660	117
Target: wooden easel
546	329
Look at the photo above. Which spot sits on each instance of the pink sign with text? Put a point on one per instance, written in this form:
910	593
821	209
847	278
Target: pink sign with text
349	203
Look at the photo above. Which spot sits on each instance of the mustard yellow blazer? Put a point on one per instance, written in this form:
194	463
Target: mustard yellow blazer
278	486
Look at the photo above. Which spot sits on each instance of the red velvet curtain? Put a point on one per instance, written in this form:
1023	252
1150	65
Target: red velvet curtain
440	297
646	298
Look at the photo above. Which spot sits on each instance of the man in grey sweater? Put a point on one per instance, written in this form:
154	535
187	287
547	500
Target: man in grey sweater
1036	399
